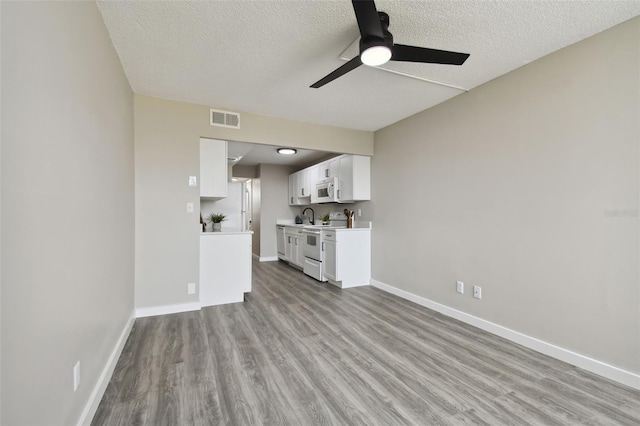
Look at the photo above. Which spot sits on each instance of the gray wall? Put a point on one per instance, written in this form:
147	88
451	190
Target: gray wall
274	205
244	171
167	138
508	187
67	210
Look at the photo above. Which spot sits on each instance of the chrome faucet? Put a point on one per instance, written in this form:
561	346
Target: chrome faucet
313	215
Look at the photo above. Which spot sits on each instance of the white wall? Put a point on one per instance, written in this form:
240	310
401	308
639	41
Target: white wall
508	187
231	206
67	207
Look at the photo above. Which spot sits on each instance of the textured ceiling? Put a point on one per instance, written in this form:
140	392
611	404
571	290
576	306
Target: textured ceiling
261	56
251	154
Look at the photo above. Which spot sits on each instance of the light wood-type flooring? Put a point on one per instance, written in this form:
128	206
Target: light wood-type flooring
298	352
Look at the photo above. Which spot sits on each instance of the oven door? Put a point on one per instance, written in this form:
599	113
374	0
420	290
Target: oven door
312	245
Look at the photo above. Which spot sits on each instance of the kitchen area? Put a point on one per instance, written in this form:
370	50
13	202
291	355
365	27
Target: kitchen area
337	248
332	252
312	231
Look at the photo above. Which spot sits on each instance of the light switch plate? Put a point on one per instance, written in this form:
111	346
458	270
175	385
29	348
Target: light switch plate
193	181
189	207
191	288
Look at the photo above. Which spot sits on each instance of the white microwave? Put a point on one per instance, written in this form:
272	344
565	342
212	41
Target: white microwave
327	191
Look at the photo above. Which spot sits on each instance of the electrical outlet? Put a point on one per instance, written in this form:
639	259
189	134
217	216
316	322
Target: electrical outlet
359	212
477	292
76	376
460	287
191	288
189	207
193	181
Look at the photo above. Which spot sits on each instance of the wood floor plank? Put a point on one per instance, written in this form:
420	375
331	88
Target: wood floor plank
300	352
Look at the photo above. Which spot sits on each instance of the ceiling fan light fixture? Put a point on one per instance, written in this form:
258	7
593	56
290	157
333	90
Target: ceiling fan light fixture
287	151
375	55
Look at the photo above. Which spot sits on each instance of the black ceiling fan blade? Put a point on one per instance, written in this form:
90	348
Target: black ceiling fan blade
368	19
349	66
401	52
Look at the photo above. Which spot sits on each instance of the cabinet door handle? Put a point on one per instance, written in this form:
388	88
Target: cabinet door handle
288	240
322	246
303	192
326	172
291	200
338	192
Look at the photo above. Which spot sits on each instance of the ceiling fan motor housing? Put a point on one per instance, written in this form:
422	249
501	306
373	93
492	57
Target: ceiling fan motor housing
368	42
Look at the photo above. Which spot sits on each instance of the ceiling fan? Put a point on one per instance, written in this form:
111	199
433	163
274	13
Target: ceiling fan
377	47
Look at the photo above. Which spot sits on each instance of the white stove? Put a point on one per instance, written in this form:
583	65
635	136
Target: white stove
313	248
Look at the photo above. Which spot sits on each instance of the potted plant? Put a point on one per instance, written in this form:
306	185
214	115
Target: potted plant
216	220
324	219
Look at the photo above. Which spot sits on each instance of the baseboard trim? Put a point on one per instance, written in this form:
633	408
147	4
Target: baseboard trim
103	381
268	259
342	285
153	311
593	365
264	258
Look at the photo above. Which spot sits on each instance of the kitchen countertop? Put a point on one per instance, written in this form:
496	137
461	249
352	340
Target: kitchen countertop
225	232
358	224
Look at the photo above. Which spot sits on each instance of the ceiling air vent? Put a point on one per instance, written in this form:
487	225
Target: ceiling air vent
224	119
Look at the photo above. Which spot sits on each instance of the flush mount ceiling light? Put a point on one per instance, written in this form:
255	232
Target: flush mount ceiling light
287	151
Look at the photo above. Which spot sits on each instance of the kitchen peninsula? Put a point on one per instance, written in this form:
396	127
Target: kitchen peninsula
225	266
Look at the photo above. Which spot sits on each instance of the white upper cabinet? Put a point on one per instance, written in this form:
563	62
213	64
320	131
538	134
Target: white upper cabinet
328	169
213	168
301	186
354	180
310	180
304	183
354	172
293	190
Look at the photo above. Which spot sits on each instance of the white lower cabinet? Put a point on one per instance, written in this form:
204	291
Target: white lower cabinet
294	246
330	257
347	257
225	267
